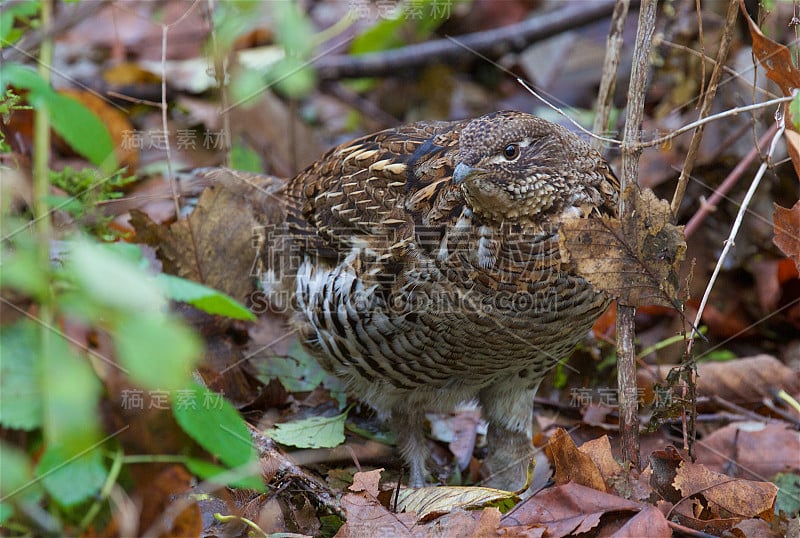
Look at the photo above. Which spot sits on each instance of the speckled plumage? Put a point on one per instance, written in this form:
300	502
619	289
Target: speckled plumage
423	269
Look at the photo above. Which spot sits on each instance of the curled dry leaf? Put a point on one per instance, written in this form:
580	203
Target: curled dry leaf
599	450
571	464
787	231
431	502
635	261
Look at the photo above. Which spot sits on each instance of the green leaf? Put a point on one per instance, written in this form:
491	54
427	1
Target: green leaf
292	76
70	392
216	426
71	478
20	393
24	77
157	351
300	372
82	130
23	10
208	471
788	499
794	113
76	124
206	299
18	484
21	269
6	511
245	158
385	34
112	281
246	86
295	30
314	432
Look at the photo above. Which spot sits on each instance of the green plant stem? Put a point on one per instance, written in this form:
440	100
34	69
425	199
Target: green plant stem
41	142
153	458
41	184
111	479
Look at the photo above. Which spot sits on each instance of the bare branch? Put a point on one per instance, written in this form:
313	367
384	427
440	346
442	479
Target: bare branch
626	349
491	43
608	81
708	99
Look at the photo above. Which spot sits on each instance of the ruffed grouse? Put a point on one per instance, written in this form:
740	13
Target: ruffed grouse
423	268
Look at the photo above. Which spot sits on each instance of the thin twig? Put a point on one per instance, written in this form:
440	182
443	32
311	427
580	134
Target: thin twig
732	72
738	222
719	193
732	112
164	125
221	74
561	113
605	94
708	100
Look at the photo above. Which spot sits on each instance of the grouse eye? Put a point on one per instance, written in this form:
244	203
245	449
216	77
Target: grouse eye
511	151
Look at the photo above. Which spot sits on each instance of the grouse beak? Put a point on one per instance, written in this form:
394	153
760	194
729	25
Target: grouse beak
462	172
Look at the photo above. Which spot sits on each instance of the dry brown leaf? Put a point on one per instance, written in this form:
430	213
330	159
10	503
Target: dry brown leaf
774	57
160	493
460	523
704	499
787	231
568	510
635	261
755	528
777	61
743	381
726	496
599	450
751	450
572	465
664	465
214	246
367	481
431	502
648	522
792	139
366	517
